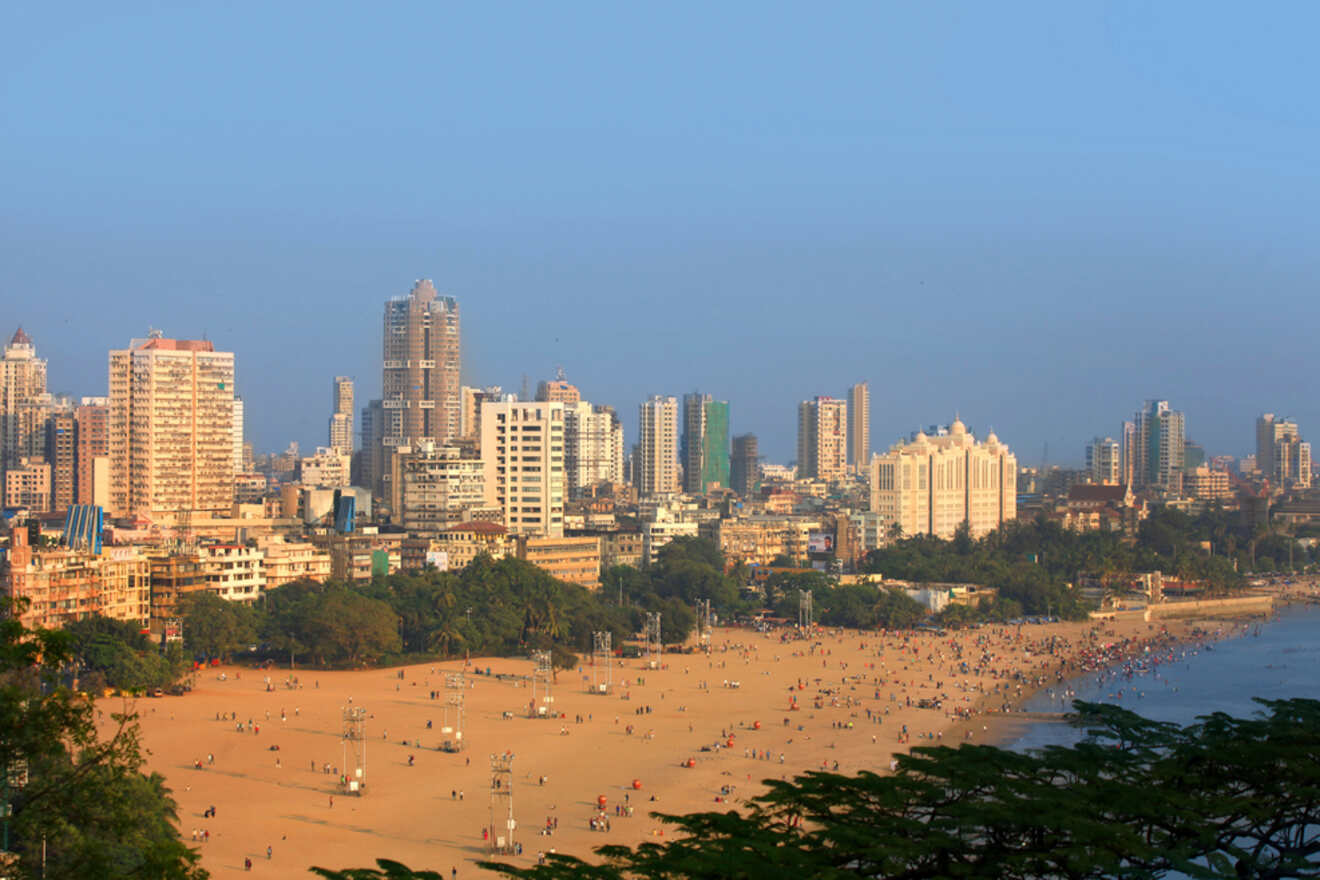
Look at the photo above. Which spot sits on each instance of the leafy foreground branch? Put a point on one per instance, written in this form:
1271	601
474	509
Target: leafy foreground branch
1225	797
75	803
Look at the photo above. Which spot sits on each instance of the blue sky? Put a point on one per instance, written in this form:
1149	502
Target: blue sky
1034	214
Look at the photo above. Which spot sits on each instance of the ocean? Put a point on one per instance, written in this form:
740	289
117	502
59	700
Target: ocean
1276	659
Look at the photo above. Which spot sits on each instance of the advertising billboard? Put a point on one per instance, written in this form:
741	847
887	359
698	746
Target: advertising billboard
820	542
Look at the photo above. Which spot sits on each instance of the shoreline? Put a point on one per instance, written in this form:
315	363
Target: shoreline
700	732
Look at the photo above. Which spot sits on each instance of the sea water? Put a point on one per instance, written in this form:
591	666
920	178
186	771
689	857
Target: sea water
1273	659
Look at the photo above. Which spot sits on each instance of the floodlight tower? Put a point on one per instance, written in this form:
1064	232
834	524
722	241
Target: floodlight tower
502	825
804	609
355	749
456	685
542	673
653	646
602	663
703	623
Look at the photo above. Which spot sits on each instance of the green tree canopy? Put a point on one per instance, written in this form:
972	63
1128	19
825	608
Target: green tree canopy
80	802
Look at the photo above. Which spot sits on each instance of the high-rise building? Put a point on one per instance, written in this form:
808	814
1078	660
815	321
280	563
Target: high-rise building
522	449
23	411
341	414
1283	458
238	434
558	389
371	457
93	438
1129	452
593	446
171	428
656	464
932	485
62	455
822	443
1104	461
421	368
705	443
1159	446
744	465
859	426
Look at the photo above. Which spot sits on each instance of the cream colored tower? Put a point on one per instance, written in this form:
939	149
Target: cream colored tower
657	446
171	428
933	484
24	404
522	448
822	439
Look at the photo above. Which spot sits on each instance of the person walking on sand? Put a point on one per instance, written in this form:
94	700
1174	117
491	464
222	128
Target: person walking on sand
269	852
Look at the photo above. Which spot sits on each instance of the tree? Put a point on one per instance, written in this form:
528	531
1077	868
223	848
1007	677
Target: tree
215	627
84	807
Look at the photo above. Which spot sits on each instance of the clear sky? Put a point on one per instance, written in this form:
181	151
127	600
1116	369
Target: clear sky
1033	214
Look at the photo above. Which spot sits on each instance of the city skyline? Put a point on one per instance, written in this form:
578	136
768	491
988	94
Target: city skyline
1064	457
1046	217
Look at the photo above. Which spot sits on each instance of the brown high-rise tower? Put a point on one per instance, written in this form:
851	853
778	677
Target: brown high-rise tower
421	368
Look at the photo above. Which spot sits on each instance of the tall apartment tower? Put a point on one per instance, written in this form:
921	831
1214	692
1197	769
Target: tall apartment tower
1160	436
421	368
23	412
1281	455
522	450
744	465
171	428
1129	452
657	446
62	456
822	442
593	446
1104	461
93	437
238	428
705	443
341	414
371	457
859	427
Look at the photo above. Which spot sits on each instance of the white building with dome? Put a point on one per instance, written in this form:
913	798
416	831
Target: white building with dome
932	484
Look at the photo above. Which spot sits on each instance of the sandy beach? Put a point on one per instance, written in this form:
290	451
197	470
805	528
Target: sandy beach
757	707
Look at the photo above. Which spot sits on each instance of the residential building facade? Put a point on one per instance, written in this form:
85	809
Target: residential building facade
705	443
822	440
859	427
657	447
932	485
171	428
522	448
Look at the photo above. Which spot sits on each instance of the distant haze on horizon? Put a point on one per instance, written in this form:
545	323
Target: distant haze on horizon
1034	219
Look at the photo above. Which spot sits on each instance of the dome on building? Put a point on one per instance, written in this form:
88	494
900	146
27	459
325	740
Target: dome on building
920	438
957	427
20	338
992	437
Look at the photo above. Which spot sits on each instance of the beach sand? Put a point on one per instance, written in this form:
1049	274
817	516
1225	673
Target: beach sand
285	800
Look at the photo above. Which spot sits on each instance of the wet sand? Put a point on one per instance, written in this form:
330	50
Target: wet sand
854	693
